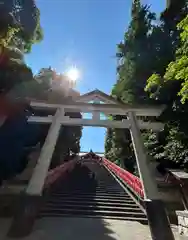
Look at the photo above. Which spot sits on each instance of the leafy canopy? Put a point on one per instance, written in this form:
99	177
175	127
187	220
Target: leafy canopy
176	70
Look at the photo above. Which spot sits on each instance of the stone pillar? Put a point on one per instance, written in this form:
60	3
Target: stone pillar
37	180
157	217
96	116
31	198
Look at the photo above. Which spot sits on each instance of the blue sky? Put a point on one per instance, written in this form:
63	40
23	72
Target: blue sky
84	33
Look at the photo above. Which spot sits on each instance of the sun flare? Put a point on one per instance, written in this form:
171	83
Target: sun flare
73	74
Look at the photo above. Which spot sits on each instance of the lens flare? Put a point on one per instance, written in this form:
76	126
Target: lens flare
73	74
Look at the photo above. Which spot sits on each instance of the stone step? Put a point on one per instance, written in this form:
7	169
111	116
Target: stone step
110	189
99	199
92	202
139	219
99	188
102	198
114	186
106	186
79	206
93	212
88	192
79	184
110	186
91	194
102	193
104	189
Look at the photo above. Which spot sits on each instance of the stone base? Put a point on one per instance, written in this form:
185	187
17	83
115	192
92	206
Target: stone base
182	222
158	220
25	215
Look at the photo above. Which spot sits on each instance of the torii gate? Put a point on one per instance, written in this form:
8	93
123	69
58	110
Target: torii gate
91	103
109	106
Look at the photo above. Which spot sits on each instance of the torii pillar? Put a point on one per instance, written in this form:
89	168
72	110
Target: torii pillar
31	199
155	209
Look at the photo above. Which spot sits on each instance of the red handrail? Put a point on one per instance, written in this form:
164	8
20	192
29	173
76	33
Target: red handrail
58	172
133	182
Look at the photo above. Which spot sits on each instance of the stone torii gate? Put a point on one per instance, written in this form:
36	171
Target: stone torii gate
97	103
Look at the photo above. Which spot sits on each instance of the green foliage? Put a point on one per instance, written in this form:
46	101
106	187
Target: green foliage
16	36
24	85
153	84
68	143
69	137
133	54
15	76
176	70
37	36
6	36
108	142
169	86
12	75
157	52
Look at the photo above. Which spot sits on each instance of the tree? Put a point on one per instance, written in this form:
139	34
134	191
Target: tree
12	75
146	51
15	135
165	85
108	143
49	88
134	61
177	70
170	88
19	29
27	40
28	87
6	36
68	143
20	24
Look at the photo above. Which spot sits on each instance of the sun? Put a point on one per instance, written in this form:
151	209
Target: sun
73	74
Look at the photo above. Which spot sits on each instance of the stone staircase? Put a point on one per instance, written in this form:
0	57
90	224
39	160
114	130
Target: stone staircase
91	191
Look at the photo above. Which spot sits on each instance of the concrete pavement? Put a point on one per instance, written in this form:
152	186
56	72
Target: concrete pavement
85	229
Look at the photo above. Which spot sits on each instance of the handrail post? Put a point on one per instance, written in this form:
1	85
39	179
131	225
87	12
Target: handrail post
157	217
